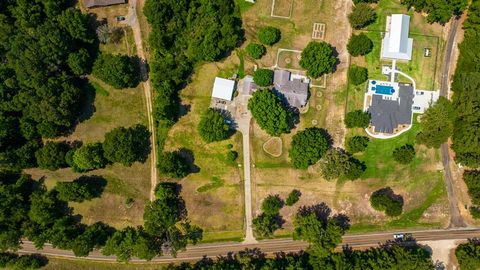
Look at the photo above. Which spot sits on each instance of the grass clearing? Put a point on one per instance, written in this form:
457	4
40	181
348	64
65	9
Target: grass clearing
215	184
282	8
81	264
289	60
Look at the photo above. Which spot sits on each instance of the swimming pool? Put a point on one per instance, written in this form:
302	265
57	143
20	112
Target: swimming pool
383	90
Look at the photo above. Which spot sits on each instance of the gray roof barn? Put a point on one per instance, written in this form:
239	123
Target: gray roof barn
295	91
103	3
389	114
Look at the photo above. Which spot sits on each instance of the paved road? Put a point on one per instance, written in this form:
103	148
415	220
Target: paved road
243	119
194	253
132	20
456	219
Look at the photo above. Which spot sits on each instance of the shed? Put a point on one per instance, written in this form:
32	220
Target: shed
103	3
396	44
223	89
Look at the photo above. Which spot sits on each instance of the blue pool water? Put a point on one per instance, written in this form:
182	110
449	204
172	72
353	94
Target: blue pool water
383	90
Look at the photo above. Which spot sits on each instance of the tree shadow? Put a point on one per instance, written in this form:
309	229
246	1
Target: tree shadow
321	211
336	55
143	143
189	157
342	220
87	103
327	136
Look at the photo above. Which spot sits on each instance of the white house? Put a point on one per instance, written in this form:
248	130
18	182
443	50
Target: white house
223	89
396	44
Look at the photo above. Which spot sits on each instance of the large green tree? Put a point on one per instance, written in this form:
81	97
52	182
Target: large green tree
269	35
120	71
437	124
213	126
308	146
318	59
269	112
336	163
362	15
52	155
386	200
359	44
127	145
89	157
468	255
439	11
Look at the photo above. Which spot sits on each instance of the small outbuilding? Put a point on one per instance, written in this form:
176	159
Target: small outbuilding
223	89
103	3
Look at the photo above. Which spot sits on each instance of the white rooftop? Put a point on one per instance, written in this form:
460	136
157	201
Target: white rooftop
223	89
396	44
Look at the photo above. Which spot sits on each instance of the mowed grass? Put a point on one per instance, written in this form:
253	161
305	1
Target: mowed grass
214	191
107	108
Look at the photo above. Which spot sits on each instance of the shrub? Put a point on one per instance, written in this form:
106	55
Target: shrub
212	126
359	44
255	50
269	35
308	146
172	164
272	204
127	145
119	71
386	200
166	191
268	111
318	59
232	156
357	75
475	212
89	157
357	144
361	16
404	154
263	77
293	197
52	155
357	119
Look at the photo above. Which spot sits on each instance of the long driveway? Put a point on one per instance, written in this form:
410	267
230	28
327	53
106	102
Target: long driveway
194	253
243	118
132	20
456	219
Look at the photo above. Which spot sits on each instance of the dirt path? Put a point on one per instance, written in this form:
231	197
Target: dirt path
456	219
337	81
132	20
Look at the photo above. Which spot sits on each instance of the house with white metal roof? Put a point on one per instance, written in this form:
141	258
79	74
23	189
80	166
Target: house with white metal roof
223	89
396	45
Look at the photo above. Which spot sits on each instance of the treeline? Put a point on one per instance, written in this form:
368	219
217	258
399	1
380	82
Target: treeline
468	255
439	11
466	98
44	47
323	231
185	33
29	210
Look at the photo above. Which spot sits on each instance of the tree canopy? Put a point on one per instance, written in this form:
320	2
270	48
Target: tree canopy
362	15
357	144
472	180
468	255
269	35
82	189
89	157
173	164
437	124
318	59
263	77
293	197
438	11
212	126
255	50
120	71
386	200
52	155
127	145
308	146
357	75
269	112
336	163
357	119
359	44
404	154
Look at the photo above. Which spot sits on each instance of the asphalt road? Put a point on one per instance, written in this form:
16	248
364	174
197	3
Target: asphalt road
194	253
456	220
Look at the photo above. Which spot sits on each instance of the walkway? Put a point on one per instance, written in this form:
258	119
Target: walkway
132	20
243	118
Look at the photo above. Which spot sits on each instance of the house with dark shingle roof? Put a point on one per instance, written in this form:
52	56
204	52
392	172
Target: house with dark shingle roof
103	3
387	113
293	89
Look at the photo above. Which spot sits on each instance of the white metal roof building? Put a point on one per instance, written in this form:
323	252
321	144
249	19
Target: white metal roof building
223	89
396	44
